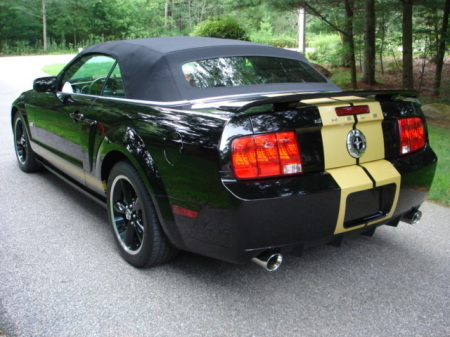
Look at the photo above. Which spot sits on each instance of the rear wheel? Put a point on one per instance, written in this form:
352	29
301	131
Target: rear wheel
24	154
133	217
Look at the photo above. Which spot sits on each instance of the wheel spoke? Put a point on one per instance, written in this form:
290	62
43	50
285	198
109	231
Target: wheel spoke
137	205
120	224
19	130
119	207
139	229
21	142
129	235
127	191
21	153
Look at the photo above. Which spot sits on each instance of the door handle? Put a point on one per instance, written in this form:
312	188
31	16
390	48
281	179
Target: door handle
76	116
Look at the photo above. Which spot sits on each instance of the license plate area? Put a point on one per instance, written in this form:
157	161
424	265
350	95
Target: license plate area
369	205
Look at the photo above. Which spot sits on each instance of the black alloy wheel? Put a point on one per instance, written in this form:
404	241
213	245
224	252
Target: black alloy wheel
25	155
133	217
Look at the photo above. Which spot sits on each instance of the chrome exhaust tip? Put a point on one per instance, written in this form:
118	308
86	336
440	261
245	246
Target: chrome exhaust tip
413	218
270	261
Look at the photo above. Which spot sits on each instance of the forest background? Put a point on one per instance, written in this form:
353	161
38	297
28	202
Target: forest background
366	36
360	44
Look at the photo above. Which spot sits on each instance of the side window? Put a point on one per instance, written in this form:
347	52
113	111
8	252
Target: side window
89	75
114	85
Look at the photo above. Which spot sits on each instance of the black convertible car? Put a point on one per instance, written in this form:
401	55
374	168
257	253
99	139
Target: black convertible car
230	149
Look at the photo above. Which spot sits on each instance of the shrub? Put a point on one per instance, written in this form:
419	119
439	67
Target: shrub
227	28
327	49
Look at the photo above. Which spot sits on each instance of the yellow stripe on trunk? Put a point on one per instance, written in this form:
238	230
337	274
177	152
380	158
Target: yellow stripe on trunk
350	179
384	173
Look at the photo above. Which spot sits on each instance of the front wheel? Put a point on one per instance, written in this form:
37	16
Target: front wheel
131	212
24	154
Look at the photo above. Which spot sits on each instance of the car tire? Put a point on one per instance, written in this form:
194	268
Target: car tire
24	154
132	214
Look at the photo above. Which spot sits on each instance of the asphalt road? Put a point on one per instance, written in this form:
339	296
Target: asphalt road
60	273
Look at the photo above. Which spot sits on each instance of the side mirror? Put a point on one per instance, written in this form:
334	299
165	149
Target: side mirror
45	84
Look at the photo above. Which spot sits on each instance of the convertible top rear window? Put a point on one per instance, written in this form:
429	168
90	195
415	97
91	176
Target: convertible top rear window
248	70
179	68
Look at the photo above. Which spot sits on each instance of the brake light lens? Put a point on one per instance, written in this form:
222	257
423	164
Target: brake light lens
352	110
266	155
412	134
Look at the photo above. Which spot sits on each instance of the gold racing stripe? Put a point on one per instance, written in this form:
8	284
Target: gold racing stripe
371	126
72	170
95	183
384	173
336	128
351	174
355	179
350	179
334	135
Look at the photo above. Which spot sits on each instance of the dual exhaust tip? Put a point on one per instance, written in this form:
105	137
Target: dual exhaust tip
413	217
269	261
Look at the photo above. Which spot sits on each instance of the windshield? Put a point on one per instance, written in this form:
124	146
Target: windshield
248	70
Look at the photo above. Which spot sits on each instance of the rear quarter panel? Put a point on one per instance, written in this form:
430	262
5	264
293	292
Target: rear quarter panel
174	150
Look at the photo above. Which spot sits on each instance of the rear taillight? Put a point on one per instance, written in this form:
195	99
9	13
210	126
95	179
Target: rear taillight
412	134
266	155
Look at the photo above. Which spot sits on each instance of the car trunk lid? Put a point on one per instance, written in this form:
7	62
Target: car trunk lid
340	134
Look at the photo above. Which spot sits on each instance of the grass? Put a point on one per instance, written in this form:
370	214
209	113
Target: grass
341	77
440	190
53	69
88	70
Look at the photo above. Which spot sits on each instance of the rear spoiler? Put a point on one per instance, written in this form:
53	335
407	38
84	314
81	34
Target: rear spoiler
289	101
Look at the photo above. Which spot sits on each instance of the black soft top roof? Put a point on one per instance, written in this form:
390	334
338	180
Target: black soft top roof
152	67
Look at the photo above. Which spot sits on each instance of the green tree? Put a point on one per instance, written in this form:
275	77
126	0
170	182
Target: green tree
350	40
444	38
75	23
344	17
407	46
227	28
22	22
368	76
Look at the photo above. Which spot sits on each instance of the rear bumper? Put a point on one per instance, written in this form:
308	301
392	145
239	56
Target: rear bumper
245	219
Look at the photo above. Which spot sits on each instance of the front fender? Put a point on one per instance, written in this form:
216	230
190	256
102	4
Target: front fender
19	105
